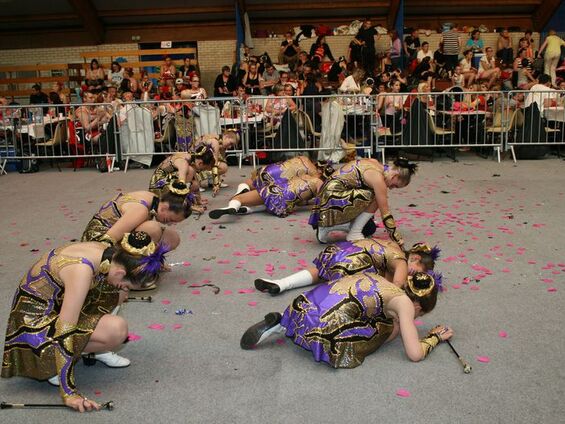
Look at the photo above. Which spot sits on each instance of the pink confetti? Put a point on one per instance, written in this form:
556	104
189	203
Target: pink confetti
456	286
475	288
183	282
502	334
551	289
403	393
132	337
186	264
166	302
547	280
280	341
195	292
252	303
177	326
418	322
97	392
245	291
228	292
158	327
483	359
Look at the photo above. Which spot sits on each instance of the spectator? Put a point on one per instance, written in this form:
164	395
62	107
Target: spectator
252	79
541	93
338	68
475	43
187	70
179	86
528	35
525	44
38	97
278	104
365	38
195	91
146	86
458	79
469	73
451	43
319	51
504	50
57	88
395	51
412	45
289	50
225	84
425	71
352	84
115	74
284	79
95	75
424	52
488	69
303	60
525	79
133	83
168	72
271	77
55	100
392	108
439	61
552	46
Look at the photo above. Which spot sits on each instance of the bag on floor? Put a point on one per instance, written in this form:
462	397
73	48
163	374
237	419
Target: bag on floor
28	166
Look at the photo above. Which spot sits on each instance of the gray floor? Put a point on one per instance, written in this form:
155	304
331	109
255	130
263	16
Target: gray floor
500	228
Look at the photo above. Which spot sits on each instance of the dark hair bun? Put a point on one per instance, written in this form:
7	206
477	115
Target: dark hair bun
179	185
422	280
401	162
139	239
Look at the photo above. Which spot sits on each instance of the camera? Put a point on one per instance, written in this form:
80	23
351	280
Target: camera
370	81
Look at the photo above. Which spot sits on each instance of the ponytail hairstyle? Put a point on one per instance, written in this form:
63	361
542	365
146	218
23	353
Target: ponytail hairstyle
140	256
405	169
205	153
423	288
178	196
428	254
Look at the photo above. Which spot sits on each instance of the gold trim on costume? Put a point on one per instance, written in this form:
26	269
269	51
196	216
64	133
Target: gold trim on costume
420	292
141	251
428	343
180	191
109	240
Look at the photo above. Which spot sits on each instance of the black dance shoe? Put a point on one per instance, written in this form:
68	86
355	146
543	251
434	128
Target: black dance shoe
218	213
267	286
369	228
252	336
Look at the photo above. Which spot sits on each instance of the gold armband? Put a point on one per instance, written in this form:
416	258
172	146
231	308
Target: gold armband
390	226
428	343
107	239
215	176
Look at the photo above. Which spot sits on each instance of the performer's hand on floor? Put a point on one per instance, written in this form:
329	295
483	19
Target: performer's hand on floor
81	404
444	332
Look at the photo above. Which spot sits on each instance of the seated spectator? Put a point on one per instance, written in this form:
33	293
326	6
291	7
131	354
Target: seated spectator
319	51
115	74
488	69
146	86
187	70
278	104
338	68
425	72
195	91
395	51
133	83
252	79
469	73
289	50
55	100
542	93
352	84
504	50
424	52
38	97
180	86
458	79
525	44
391	109
525	79
95	76
57	88
302	61
411	47
528	35
225	84
284	78
271	77
168	72
440	63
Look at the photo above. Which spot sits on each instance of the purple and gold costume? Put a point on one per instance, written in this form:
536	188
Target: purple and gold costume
109	214
343	322
343	196
32	347
164	173
282	186
350	257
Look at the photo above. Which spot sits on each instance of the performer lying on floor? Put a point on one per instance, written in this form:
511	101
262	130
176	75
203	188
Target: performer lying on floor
343	258
343	322
62	307
184	167
351	196
219	146
278	188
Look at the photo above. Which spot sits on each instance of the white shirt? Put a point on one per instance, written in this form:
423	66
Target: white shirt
349	85
538	96
421	55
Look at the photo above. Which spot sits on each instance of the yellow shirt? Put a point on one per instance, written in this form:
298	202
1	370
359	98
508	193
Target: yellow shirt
554	44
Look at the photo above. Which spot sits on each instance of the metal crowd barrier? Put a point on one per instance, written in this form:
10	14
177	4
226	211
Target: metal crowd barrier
331	127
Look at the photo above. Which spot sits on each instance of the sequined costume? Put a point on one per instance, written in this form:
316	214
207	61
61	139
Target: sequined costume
109	214
350	257
32	346
282	186
343	322
165	172
343	196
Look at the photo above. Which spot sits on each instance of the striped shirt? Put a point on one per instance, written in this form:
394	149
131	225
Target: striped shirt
450	43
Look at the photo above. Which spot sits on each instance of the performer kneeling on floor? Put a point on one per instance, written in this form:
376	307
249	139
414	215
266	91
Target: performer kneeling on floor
344	258
343	322
219	146
349	198
184	167
278	188
61	309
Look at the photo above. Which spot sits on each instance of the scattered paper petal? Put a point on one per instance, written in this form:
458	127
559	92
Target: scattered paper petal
252	303
177	326
484	359
551	289
166	302
403	393
159	327
132	337
280	341
502	334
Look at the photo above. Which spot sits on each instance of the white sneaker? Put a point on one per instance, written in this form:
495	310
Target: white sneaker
112	360
54	381
223	185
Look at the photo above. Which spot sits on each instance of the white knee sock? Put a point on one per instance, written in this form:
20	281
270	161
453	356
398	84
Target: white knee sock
355	232
277	329
242	187
236	204
252	209
324	232
298	279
